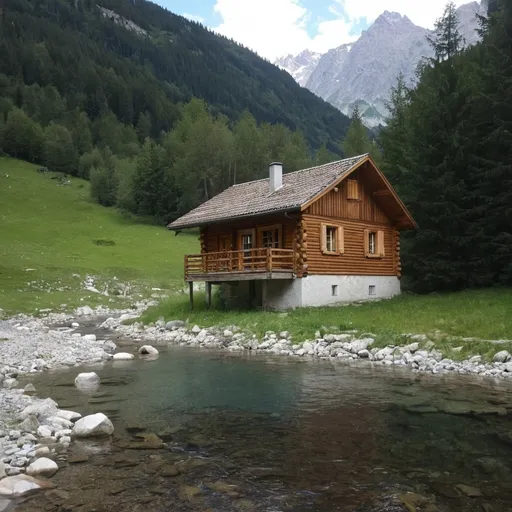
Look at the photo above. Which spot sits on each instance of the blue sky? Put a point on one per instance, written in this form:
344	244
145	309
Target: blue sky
274	28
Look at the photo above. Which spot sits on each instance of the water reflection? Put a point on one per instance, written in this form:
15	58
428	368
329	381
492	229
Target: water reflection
249	432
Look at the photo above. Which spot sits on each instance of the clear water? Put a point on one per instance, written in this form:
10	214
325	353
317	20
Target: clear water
262	433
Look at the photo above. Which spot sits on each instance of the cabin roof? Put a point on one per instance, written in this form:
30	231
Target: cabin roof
254	197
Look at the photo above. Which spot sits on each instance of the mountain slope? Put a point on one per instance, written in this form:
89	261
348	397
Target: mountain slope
177	59
301	66
366	70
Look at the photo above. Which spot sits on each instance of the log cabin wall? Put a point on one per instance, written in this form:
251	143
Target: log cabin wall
211	234
355	216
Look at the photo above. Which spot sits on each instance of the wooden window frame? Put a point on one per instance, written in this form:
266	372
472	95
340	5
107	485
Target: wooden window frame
273	227
340	239
380	251
353	190
240	233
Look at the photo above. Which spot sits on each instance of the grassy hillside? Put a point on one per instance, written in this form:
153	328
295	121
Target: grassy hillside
53	237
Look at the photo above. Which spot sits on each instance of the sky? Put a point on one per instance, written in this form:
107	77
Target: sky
274	28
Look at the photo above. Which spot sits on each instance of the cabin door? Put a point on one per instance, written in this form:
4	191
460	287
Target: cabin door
246	241
224	256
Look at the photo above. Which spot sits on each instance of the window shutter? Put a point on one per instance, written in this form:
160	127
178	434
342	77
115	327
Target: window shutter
380	243
323	238
352	189
341	240
366	242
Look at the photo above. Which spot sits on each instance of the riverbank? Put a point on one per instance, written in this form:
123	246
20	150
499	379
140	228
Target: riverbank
90	337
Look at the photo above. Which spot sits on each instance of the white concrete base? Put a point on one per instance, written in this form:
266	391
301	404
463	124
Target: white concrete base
320	291
311	291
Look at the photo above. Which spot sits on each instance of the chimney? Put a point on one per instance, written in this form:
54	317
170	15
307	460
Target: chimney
276	176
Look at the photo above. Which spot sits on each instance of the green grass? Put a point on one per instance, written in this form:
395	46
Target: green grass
484	314
52	236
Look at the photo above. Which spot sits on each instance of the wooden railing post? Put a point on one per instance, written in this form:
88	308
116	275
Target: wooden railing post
185	264
269	259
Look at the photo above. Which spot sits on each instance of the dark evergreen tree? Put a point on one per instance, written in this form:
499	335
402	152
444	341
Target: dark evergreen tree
59	152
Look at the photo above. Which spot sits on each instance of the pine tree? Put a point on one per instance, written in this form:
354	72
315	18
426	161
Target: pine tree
104	181
447	41
324	156
357	142
394	138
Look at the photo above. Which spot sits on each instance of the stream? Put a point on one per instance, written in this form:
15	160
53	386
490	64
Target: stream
247	432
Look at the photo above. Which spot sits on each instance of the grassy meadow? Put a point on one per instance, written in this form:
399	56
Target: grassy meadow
52	236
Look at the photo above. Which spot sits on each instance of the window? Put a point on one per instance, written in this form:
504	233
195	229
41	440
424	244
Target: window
334	290
371	290
374	244
332	239
270	236
352	189
246	242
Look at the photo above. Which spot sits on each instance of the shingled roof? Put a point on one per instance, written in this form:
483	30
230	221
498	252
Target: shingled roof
254	197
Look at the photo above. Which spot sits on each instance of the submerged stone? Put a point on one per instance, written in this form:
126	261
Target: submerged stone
472	492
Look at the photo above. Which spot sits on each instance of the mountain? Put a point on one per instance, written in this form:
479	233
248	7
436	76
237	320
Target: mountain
301	66
138	60
365	71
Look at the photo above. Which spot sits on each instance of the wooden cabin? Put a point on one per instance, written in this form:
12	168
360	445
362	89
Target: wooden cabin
315	237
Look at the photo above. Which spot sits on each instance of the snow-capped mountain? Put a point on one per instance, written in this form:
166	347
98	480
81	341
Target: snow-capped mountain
364	72
301	66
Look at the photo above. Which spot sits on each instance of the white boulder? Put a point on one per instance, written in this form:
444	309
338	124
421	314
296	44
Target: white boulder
68	415
148	350
502	357
42	467
196	329
123	356
94	425
44	431
87	380
20	485
2	469
89	337
75	325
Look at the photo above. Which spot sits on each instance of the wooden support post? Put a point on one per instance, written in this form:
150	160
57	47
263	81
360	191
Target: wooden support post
264	292
191	293
208	295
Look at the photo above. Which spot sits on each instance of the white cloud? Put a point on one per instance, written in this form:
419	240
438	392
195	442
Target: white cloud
274	28
420	12
194	17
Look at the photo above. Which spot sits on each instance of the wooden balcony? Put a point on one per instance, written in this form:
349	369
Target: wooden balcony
266	263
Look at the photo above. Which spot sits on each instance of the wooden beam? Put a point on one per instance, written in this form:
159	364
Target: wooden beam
385	192
191	293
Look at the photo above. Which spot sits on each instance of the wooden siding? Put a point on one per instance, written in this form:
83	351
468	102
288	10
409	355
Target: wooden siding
337	205
353	261
210	234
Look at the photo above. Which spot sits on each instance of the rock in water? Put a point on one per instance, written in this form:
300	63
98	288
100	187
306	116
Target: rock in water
29	389
21	485
2	469
69	415
94	425
123	356
42	467
44	431
87	381
148	350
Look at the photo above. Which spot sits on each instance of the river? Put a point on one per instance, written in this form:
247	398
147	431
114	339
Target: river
260	433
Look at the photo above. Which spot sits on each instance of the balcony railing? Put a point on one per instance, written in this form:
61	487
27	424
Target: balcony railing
266	260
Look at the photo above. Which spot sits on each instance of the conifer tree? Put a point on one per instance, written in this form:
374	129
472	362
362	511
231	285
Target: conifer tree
447	41
357	141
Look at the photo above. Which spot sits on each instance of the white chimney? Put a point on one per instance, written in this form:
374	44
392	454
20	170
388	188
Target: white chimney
276	176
